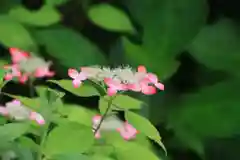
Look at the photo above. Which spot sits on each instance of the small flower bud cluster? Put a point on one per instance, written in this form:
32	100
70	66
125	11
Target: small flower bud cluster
17	111
118	79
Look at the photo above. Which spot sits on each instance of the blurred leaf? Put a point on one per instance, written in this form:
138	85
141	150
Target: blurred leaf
213	112
55	2
167	28
46	16
78	114
110	18
67	139
127	151
218	46
28	143
102	150
69	48
124	102
13	34
11	131
2	120
70	157
100	157
144	125
84	90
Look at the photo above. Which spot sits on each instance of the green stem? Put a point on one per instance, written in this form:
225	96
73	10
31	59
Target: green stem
31	88
105	114
1	87
42	141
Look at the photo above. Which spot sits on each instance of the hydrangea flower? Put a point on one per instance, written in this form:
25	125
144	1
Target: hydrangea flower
112	123
25	66
17	111
120	79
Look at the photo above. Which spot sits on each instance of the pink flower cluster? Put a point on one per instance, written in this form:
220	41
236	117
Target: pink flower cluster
126	130
17	111
119	79
25	66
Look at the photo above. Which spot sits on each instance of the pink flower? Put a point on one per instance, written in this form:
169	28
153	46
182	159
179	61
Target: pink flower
3	111
96	120
18	55
43	72
13	72
114	85
37	117
77	77
23	78
151	78
127	131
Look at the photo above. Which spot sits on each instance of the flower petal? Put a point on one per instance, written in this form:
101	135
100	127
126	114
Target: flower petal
37	117
148	90
76	83
73	73
18	55
160	86
152	78
3	111
142	68
111	91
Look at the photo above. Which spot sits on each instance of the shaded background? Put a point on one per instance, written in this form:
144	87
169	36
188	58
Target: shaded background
192	45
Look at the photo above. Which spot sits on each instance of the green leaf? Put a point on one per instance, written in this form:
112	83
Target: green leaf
110	18
69	139
124	102
55	2
11	131
78	114
84	90
69	48
70	157
167	29
144	125
8	31
218	46
28	143
101	157
36	18
127	151
212	112
2	120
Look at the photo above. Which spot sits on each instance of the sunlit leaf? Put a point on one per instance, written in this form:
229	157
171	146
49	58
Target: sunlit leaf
9	28
67	139
70	157
110	18
36	18
84	90
144	125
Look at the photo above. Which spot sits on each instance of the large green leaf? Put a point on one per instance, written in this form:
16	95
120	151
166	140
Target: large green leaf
110	18
11	131
71	138
55	2
13	34
78	114
127	151
168	27
144	125
70	157
84	90
70	48
36	18
218	46
213	112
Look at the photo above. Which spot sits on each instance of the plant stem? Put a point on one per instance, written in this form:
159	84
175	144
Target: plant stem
105	114
1	87
31	88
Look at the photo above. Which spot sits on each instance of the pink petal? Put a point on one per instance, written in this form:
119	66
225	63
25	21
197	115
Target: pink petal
142	69
97	135
148	90
23	78
37	117
50	74
8	77
152	78
134	87
111	91
18	55
73	73
82	76
16	102
96	119
115	84
3	111
127	131
76	83
40	72
160	86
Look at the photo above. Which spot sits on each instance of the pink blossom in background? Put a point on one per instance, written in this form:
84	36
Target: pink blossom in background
77	77
17	111
18	55
43	72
